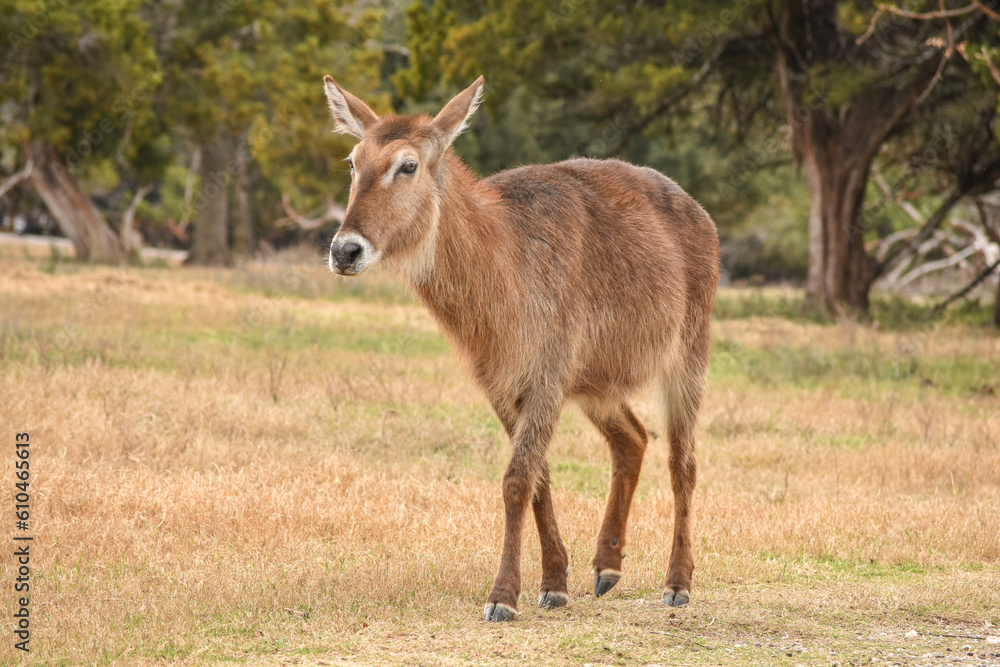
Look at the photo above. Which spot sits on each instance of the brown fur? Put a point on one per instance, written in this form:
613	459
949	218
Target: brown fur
582	280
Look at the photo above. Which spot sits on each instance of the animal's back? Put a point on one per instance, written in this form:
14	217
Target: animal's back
623	259
618	214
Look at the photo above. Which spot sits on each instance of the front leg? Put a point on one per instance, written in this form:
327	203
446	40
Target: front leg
555	560
532	433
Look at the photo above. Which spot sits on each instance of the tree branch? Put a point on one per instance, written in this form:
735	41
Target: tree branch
965	290
14	180
910	209
989	12
128	219
949	50
334	213
926	16
994	234
925	232
937	265
994	72
883	246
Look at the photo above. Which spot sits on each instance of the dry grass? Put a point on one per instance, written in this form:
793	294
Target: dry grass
270	465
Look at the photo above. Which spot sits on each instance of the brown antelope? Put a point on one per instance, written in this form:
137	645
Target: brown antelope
581	280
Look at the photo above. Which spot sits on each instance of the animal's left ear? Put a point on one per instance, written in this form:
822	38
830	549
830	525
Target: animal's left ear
454	118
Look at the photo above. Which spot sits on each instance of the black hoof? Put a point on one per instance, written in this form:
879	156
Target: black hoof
498	612
551	600
673	598
605	580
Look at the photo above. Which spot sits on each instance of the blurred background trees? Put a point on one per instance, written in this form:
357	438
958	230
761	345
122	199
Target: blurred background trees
843	144
76	88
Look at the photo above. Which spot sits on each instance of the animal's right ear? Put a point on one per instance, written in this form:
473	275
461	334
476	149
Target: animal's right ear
351	115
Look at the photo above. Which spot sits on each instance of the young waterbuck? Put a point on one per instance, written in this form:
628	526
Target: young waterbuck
581	280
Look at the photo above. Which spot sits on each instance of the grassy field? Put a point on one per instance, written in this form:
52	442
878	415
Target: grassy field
272	465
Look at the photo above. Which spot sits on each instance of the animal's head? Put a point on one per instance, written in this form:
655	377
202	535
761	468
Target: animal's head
393	209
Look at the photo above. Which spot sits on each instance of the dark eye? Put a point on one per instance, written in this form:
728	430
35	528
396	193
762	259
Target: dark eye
409	167
350	161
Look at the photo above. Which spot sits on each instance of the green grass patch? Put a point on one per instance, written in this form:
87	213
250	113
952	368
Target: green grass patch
888	312
318	283
742	303
585	478
809	367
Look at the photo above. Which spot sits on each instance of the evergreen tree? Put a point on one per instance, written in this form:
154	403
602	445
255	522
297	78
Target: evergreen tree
843	76
76	85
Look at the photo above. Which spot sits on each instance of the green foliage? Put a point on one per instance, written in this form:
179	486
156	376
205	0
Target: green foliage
601	79
835	84
255	70
170	202
888	312
79	77
128	90
690	89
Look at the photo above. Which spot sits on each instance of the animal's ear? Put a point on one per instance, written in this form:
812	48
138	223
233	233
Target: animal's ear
351	114
454	118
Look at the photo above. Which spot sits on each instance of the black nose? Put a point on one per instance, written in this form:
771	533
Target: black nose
346	255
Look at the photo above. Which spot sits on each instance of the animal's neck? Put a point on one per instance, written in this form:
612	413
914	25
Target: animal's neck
471	252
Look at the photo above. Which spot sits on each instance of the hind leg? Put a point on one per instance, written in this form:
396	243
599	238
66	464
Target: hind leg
627	439
683	476
682	391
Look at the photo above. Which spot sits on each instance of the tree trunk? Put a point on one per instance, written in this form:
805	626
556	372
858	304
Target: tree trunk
77	217
242	213
989	215
836	146
210	241
840	271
